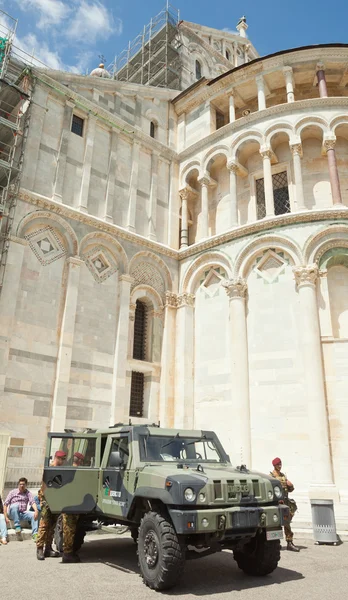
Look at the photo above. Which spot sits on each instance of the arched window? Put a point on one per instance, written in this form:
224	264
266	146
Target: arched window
198	70
153	128
228	55
139	343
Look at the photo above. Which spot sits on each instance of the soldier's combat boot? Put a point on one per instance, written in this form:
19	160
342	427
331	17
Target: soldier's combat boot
291	546
70	558
50	553
40	554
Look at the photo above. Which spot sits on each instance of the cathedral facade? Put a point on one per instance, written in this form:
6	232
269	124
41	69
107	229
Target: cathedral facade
182	256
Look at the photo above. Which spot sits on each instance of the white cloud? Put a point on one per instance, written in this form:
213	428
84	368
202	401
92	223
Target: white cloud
40	50
50	12
92	20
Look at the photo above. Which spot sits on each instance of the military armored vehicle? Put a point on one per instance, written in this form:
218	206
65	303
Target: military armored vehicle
177	492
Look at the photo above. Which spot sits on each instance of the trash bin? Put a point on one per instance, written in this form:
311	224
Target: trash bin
323	521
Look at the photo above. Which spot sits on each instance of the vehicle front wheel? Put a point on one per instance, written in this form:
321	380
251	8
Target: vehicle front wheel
161	554
259	556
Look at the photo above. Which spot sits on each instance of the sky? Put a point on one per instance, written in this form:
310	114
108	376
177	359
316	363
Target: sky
72	34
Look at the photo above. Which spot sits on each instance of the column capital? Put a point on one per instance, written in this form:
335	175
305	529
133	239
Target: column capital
205	180
329	143
75	260
185	194
288	71
320	66
266	152
235	288
232	166
126	278
260	82
171	299
185	299
296	149
306	275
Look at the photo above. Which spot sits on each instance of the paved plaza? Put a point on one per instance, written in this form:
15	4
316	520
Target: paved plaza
109	570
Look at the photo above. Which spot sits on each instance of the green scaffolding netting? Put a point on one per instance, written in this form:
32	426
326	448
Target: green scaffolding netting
3	43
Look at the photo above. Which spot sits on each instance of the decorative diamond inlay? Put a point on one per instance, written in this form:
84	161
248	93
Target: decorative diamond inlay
100	263
46	245
211	283
271	265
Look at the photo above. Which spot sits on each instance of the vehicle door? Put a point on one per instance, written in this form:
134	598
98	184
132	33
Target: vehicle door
115	498
71	488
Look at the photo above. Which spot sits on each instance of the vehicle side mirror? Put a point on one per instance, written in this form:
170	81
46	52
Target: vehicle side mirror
115	459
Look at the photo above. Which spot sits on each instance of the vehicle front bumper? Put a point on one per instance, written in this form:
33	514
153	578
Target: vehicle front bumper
234	518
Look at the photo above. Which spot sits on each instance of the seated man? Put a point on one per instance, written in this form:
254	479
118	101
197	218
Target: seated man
3	528
15	508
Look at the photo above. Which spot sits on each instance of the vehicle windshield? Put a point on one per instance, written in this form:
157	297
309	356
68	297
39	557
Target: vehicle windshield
179	448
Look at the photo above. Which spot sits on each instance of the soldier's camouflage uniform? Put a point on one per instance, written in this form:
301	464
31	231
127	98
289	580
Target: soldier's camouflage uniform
288	501
47	524
69	530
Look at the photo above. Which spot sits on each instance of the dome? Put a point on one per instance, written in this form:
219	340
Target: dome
100	72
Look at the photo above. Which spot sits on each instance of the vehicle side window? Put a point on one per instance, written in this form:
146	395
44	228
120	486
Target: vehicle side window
120	445
80	451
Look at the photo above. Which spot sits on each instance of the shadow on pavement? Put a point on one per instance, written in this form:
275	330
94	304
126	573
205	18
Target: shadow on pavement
213	574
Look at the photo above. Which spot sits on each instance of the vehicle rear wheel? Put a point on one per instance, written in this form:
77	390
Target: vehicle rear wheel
259	556
161	554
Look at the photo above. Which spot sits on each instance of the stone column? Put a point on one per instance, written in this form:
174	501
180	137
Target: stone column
133	187
65	345
62	153
184	385
119	410
236	290
232	109
261	94
153	196
8	298
108	209
321	81
38	112
289	82
268	182
167	380
87	164
329	145
233	169
296	150
204	182
184	195
315	400
174	206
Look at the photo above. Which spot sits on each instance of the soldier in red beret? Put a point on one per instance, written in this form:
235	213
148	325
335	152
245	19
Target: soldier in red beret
48	520
287	488
78	459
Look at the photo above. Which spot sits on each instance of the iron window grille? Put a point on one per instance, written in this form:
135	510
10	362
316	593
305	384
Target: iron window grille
198	68
139	342
152	129
281	193
260	198
137	395
77	125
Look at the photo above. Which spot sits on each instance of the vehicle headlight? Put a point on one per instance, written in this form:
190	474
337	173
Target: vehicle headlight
277	491
189	494
202	497
270	495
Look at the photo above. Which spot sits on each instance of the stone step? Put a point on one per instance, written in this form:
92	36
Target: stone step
12	536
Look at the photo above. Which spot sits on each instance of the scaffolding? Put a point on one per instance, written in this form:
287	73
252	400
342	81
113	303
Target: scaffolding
152	58
15	84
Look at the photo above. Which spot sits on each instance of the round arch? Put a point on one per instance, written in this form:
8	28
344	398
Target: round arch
156	261
311	121
148	295
254	136
213	153
104	239
329	237
39	218
286	128
204	261
193	165
248	254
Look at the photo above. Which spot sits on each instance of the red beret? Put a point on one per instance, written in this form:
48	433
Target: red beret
79	455
276	461
60	454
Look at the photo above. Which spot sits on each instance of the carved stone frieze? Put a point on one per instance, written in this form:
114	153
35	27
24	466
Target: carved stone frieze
235	288
186	299
306	275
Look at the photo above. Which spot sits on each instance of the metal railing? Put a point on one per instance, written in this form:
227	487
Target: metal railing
24	461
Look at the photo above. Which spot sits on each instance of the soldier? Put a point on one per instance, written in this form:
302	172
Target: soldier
48	520
287	488
70	524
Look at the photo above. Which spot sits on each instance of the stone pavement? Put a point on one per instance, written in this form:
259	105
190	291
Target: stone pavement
109	569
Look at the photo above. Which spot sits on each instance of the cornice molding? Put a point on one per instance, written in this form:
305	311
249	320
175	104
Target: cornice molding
270	224
71	213
261	115
264	66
